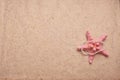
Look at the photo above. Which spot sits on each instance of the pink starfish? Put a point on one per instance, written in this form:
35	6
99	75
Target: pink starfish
93	46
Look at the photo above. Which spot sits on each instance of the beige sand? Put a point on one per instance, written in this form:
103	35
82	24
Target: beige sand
38	39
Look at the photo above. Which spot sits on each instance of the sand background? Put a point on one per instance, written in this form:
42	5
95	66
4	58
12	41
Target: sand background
38	39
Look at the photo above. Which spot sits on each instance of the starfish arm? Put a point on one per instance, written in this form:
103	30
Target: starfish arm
105	53
88	36
83	47
103	38
91	58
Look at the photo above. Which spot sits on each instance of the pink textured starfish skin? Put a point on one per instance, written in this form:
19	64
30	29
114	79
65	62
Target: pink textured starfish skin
93	46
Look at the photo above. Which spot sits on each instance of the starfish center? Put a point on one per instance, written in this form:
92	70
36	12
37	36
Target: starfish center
94	46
